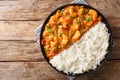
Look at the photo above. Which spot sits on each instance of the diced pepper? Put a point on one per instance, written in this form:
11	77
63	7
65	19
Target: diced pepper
43	41
52	53
68	20
95	20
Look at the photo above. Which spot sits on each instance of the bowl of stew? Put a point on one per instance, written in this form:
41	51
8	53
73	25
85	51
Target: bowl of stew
62	25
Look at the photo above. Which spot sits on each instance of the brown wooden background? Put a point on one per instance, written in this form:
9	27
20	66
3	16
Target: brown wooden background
20	56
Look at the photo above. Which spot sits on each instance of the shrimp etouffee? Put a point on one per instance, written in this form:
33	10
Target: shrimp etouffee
66	27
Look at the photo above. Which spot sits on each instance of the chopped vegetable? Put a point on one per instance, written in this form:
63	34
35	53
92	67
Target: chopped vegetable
71	17
77	21
70	34
52	53
81	19
48	25
62	11
82	30
52	49
88	19
43	41
45	49
68	20
86	11
50	30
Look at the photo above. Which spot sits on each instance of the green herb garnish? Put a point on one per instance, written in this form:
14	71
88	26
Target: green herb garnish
50	30
71	17
82	30
88	19
45	49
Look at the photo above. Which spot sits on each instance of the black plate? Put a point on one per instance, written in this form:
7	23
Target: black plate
103	20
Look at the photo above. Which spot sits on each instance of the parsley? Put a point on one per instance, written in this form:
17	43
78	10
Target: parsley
88	19
50	30
71	17
46	49
82	30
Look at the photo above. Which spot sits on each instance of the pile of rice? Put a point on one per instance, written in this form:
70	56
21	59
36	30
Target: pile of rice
86	53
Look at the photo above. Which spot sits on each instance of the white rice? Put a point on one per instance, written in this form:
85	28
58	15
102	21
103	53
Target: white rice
86	53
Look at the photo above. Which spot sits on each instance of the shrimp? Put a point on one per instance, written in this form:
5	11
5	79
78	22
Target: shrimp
80	11
76	36
53	19
64	39
93	13
45	33
54	42
72	12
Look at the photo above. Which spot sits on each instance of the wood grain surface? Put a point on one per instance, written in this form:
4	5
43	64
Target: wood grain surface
20	55
42	71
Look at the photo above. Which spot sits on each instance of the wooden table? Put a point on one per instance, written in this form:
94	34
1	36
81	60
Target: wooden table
20	55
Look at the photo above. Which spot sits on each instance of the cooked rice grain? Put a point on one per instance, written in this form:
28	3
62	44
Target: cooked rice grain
86	53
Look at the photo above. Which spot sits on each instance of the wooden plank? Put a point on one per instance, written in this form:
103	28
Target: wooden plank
28	9
20	51
24	30
42	71
115	53
18	30
40	9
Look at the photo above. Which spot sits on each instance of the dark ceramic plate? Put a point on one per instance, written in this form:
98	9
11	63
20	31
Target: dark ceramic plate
103	20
